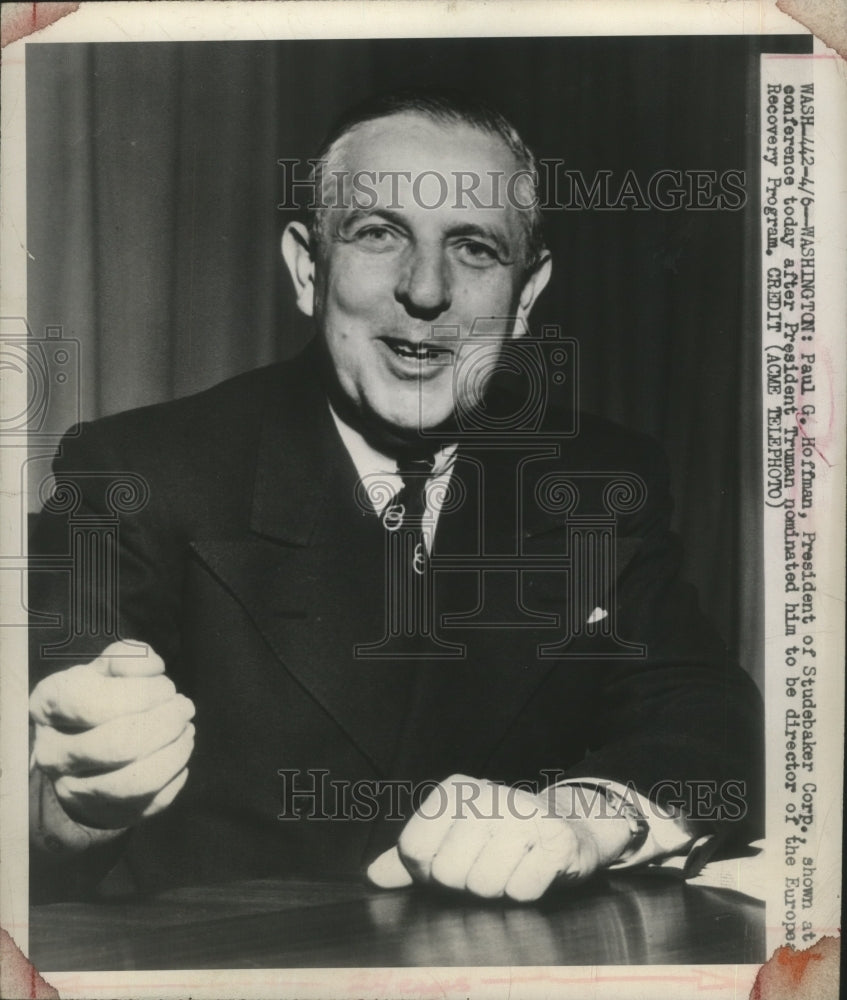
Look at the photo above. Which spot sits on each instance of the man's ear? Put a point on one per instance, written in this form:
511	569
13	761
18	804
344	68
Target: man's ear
297	254
534	286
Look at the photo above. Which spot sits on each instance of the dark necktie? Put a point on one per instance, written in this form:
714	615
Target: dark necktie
406	514
408	584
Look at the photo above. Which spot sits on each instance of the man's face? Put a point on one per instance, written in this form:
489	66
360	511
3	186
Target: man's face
416	261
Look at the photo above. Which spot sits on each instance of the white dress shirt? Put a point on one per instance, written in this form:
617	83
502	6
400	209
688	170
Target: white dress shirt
381	480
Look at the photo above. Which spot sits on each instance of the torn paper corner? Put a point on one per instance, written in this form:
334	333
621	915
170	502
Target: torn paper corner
800	973
18	976
20	20
826	19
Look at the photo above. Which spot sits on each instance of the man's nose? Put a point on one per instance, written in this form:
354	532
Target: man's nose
424	285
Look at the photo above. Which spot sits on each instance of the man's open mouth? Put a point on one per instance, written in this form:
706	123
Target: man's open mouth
428	352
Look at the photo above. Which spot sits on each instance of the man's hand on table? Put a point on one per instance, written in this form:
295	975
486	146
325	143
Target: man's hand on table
492	841
113	737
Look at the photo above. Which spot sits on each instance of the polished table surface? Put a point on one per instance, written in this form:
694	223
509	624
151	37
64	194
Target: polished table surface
627	919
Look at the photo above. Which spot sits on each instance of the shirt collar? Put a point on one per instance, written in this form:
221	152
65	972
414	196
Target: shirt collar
370	462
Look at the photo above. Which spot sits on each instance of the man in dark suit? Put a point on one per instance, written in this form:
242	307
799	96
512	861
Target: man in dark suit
348	576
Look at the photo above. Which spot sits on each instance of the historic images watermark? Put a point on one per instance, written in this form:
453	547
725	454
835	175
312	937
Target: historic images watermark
314	185
315	795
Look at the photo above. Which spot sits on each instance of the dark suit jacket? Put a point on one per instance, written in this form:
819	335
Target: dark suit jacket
254	573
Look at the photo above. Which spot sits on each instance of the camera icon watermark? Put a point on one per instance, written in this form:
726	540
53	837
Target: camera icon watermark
42	376
507	388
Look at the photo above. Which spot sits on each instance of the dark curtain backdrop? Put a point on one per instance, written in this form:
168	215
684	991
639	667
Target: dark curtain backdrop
153	233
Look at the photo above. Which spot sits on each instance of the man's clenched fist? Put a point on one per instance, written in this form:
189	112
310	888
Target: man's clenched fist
493	841
113	736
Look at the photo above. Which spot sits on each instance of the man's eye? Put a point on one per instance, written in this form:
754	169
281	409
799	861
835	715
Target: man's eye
477	254
376	237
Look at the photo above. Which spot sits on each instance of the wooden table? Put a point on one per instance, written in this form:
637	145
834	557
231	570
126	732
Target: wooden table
637	918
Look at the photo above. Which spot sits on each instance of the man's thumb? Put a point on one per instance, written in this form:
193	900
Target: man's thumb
388	871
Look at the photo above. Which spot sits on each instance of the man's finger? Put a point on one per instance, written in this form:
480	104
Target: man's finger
388	871
129	659
166	795
498	859
549	858
457	852
114	743
119	798
82	697
422	836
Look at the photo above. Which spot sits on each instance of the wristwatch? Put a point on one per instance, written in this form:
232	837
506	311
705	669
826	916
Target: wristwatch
639	827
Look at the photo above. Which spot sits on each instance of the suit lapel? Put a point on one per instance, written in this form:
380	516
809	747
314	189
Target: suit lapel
298	455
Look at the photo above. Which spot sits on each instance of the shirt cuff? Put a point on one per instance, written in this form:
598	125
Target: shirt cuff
668	832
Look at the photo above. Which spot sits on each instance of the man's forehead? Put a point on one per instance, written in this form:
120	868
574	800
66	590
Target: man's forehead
413	164
415	141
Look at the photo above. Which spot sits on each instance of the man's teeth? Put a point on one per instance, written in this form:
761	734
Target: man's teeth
405	350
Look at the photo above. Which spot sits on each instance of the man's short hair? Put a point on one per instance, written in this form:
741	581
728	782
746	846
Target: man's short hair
444	107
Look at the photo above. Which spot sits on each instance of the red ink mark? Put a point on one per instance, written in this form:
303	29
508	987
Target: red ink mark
804	973
810	440
20	20
18	976
699	979
796	961
829	370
